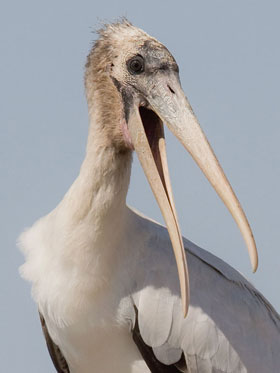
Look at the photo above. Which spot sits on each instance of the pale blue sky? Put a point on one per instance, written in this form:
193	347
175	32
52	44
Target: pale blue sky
229	58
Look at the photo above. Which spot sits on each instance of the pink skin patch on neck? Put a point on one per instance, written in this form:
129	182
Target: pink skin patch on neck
126	134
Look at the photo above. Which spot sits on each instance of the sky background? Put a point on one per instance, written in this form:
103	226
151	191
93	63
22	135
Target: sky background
229	58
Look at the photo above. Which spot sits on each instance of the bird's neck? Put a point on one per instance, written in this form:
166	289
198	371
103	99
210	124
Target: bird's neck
96	202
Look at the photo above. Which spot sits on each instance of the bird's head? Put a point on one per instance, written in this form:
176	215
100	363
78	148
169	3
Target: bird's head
122	68
135	80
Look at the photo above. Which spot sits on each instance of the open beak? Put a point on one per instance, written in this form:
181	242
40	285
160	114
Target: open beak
168	104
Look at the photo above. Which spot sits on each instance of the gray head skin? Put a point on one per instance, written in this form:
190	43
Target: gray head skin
110	82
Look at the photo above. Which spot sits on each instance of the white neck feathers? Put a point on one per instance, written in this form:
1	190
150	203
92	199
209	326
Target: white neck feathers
98	195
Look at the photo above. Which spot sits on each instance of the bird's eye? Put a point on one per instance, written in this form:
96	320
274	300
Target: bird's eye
136	65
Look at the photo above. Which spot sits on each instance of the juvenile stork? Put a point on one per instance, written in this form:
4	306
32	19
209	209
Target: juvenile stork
104	277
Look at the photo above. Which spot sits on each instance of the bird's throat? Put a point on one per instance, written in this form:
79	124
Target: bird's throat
102	184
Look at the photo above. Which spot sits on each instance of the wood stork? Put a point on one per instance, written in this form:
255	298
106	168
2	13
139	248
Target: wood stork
104	276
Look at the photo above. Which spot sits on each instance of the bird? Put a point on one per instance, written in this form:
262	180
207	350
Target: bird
115	290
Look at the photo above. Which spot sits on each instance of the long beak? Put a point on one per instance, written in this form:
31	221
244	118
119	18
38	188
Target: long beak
152	156
166	98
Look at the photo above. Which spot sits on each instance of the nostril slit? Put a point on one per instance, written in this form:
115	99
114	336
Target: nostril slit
170	89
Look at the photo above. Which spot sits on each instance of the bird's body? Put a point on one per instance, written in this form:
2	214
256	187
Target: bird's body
227	319
100	270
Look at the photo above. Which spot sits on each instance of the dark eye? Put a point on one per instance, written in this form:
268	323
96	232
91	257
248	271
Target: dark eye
136	65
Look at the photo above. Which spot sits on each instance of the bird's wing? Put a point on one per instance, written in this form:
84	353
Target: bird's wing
149	356
230	326
58	359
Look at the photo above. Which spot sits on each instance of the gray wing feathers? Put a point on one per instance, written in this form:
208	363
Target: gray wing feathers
159	303
167	354
230	327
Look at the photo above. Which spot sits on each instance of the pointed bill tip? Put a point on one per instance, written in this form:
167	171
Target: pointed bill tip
185	310
253	253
